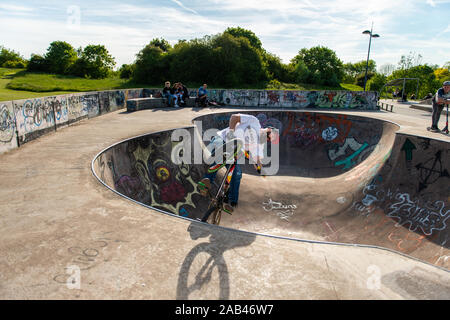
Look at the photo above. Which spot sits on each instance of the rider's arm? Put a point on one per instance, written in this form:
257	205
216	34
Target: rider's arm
234	120
440	97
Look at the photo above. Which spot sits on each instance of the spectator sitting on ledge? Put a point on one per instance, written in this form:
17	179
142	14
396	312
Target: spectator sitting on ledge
168	93
202	95
185	94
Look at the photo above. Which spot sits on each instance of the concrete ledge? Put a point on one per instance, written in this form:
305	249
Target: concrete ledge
145	103
152	103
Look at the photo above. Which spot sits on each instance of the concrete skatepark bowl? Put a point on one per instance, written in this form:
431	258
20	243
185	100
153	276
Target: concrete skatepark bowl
342	179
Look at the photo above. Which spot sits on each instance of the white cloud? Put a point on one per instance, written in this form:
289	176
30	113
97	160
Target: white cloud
12	7
183	6
284	26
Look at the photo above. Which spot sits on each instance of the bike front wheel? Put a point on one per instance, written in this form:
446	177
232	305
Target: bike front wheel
215	216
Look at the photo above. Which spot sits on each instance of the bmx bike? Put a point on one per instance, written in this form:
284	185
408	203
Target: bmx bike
216	206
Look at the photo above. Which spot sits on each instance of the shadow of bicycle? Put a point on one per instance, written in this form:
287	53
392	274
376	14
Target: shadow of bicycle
205	265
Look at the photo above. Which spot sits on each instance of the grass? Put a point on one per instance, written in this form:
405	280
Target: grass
6	75
18	84
307	86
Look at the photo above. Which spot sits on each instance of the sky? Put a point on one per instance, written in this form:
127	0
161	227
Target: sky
283	26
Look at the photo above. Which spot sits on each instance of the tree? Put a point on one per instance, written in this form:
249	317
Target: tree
361	77
150	67
237	62
427	80
353	69
323	65
93	62
376	82
300	72
275	68
191	61
37	63
442	74
11	59
447	65
250	35
126	71
411	60
60	57
163	44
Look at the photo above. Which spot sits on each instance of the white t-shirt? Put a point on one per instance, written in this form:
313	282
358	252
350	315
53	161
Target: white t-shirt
248	130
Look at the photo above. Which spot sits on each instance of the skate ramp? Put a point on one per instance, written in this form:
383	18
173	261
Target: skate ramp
341	178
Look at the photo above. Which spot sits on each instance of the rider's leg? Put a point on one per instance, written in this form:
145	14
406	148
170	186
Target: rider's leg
205	183
235	183
437	109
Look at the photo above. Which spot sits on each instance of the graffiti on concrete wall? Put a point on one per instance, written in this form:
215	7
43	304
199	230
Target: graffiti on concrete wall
7	123
153	178
59	105
33	115
306	129
76	109
90	103
407	201
350	153
408	211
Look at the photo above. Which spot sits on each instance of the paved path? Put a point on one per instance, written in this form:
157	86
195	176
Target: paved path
54	214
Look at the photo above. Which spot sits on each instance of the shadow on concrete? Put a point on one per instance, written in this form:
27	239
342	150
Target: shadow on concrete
415	282
196	272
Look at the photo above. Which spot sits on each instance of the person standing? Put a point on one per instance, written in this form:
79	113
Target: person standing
441	98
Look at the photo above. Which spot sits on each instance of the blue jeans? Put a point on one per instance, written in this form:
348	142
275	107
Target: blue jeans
169	98
233	191
437	109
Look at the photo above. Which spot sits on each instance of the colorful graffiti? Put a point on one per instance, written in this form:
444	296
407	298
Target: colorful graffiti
7	124
142	170
32	116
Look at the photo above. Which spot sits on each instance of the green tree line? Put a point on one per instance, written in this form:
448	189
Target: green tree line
233	58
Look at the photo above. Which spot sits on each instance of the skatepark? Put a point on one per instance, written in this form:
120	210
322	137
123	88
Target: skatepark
357	210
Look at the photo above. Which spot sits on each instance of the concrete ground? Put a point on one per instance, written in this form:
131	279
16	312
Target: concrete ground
56	217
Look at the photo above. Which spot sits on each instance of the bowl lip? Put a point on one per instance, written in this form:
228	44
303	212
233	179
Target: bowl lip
245	232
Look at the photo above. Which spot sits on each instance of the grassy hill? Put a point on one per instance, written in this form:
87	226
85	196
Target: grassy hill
19	84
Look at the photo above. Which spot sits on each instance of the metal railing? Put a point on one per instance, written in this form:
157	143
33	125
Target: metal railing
386	106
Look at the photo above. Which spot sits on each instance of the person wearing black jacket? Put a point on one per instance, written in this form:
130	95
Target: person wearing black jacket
168	93
185	95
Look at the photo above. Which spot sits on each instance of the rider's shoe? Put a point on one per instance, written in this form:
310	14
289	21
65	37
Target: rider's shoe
435	129
228	208
204	185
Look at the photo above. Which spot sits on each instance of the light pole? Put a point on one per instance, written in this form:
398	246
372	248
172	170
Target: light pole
371	35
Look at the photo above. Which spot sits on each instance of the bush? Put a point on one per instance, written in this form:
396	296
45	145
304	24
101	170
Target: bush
14	64
126	71
37	63
11	59
223	60
323	65
94	62
376	82
360	78
274	84
60	57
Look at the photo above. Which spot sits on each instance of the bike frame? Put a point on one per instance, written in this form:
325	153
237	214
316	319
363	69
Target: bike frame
217	200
